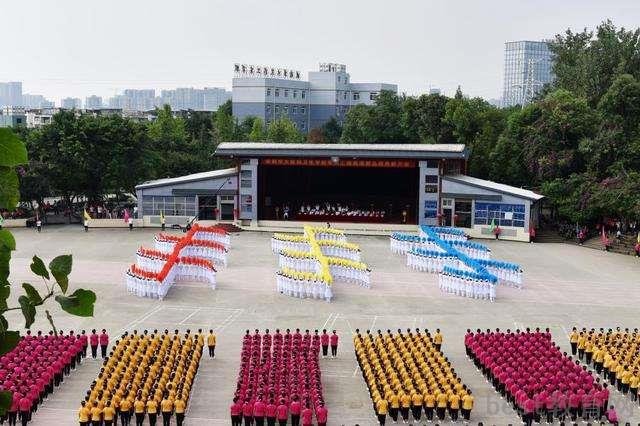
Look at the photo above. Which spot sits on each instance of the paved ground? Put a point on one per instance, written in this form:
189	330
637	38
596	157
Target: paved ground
565	286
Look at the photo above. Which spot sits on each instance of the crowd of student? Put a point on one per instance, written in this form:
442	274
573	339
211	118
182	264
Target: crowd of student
467	283
185	246
541	382
38	365
339	210
407	373
280	379
614	354
344	269
145	375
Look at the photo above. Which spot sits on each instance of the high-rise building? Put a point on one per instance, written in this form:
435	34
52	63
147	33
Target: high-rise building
11	94
527	68
71	103
273	93
138	99
36	101
93	102
186	98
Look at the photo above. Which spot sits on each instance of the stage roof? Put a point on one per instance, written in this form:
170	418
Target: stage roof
309	150
494	186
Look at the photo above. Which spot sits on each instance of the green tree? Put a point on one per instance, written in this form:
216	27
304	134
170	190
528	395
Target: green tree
423	119
331	131
257	133
284	131
55	285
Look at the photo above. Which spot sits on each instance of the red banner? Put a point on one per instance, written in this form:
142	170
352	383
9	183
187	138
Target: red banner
340	162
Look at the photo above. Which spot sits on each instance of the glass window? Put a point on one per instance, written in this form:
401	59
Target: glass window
500	214
373	96
277	93
463	211
433	179
285	109
430	209
304	94
356	96
286	93
295	94
302	110
268	91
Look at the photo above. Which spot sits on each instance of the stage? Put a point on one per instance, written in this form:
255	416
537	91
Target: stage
352	228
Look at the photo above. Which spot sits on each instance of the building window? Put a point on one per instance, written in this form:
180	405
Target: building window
303	126
356	96
277	93
338	79
268	108
373	96
277	109
286	93
294	109
170	206
269	92
463	213
295	94
302	110
344	96
430	209
285	109
500	214
304	94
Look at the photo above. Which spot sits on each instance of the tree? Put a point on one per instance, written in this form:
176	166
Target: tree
331	131
13	153
378	123
358	127
315	136
224	128
284	131
423	119
257	133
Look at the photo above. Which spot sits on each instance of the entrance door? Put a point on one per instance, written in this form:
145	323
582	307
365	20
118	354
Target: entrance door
226	211
206	207
447	212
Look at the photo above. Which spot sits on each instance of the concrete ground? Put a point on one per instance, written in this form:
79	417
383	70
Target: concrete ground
566	285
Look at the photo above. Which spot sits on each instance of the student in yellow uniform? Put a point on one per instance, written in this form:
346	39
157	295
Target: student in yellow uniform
454	406
211	344
139	408
582	342
405	405
382	407
394	402
179	407
416	406
96	415
125	411
441	404
109	414
573	339
84	414
429	404
437	339
152	411
467	406
167	409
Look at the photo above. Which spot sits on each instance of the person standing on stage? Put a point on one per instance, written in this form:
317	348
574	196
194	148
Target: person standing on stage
211	344
324	341
334	344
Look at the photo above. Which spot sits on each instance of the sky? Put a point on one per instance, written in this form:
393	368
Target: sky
77	48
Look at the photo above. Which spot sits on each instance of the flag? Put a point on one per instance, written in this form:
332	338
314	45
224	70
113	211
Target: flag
161	216
492	227
2	223
126	215
638	239
86	215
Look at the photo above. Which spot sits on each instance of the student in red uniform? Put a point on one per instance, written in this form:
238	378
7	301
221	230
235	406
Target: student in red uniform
236	412
104	342
85	343
324	340
334	344
295	409
247	412
270	413
258	412
282	413
307	416
13	410
25	410
321	415
93	341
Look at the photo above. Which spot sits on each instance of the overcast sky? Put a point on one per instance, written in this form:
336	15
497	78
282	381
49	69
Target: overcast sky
78	47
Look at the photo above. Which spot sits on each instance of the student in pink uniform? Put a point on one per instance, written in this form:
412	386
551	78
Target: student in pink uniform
25	410
282	413
334	344
247	412
324	341
236	412
13	410
84	340
321	415
93	341
612	416
258	412
104	342
271	413
295	409
307	416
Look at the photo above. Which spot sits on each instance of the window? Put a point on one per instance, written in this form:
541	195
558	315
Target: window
286	93
304	94
169	205
295	94
356	96
500	214
269	91
277	109
430	209
431	179
302	110
285	109
294	109
373	96
463	211
344	96
338	79
268	108
277	93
